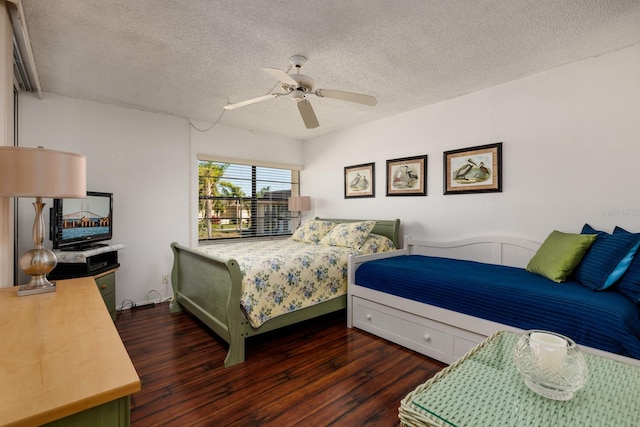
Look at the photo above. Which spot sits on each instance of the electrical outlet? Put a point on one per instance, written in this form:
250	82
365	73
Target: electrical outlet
165	279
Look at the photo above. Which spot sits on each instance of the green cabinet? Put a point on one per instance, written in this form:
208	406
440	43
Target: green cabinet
116	413
107	285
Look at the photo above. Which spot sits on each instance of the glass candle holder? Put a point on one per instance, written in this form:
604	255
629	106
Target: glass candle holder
551	364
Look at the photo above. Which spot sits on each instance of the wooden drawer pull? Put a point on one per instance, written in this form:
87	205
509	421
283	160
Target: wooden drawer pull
103	287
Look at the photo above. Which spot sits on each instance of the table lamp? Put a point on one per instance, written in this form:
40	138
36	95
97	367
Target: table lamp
37	172
298	204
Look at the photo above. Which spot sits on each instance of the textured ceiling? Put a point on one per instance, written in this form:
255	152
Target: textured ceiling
190	58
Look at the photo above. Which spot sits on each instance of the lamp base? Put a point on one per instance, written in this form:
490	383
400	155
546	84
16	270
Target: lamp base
37	263
32	290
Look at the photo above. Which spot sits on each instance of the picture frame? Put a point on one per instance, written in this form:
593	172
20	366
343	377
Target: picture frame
359	181
473	169
407	176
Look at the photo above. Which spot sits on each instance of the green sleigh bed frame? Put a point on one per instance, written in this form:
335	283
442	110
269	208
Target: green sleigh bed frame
209	288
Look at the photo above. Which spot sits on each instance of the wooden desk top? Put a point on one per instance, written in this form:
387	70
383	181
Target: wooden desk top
60	354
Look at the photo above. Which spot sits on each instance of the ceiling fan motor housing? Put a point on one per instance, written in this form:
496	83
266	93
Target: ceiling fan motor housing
305	85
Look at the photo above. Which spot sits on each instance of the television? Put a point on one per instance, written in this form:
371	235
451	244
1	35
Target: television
80	224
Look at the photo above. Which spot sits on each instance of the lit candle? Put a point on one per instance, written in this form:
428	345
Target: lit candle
549	350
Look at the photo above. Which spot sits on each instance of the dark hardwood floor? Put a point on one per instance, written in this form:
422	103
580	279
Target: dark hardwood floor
317	373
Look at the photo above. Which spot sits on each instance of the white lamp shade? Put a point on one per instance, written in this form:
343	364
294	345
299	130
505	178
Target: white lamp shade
299	203
37	172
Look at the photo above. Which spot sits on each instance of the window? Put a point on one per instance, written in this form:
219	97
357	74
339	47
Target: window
241	200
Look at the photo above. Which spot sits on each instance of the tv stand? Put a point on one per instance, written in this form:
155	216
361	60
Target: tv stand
82	263
83	248
97	262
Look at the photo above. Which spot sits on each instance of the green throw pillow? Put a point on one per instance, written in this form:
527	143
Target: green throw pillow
559	254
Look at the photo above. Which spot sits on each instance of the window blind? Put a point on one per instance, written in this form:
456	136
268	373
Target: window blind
238	200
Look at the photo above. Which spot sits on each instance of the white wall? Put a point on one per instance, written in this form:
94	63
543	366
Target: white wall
6	130
149	162
571	149
141	157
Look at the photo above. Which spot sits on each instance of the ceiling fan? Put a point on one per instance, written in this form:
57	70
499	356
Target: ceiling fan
299	86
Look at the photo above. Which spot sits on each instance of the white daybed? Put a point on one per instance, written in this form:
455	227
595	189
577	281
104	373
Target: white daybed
439	333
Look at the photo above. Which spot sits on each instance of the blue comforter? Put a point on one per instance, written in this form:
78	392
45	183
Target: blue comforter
512	296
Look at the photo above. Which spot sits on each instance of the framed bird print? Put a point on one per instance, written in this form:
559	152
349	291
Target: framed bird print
407	176
473	169
359	181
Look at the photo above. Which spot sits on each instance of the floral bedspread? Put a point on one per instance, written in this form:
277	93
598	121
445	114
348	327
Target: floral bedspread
280	276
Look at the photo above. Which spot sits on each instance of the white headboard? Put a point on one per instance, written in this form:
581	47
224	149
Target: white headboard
502	250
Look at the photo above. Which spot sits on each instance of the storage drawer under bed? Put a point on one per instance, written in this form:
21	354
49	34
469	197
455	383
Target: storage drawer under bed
428	337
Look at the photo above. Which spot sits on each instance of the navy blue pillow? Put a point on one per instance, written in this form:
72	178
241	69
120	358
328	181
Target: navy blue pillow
607	260
629	284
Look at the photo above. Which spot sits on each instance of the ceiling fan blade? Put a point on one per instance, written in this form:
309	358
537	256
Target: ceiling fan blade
347	96
281	76
308	115
250	101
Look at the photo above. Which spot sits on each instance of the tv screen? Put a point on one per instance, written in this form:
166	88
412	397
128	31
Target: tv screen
82	223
